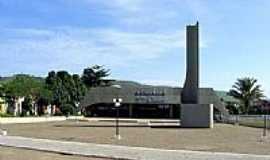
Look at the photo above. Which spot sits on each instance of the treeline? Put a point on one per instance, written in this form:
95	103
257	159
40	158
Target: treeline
59	88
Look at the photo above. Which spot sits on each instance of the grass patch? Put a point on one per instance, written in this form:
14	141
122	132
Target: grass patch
254	123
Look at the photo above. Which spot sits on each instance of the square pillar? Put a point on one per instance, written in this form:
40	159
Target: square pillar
171	111
197	115
130	110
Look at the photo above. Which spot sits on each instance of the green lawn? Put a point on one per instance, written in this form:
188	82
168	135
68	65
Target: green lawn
254	123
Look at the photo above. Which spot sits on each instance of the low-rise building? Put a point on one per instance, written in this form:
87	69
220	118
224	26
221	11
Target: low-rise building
143	101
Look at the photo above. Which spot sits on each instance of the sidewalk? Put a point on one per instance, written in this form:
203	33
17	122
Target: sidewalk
122	152
16	120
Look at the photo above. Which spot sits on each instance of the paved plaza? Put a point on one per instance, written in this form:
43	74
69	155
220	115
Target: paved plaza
119	152
222	138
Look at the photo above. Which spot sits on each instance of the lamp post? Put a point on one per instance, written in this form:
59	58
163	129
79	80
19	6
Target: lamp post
265	120
238	113
117	103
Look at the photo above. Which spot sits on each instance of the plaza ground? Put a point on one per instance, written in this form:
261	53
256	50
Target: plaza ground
223	138
7	153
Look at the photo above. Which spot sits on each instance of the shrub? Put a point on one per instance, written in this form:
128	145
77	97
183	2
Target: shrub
67	109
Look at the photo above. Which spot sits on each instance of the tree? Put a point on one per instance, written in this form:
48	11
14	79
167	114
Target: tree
55	83
67	109
92	76
2	91
51	80
66	89
246	91
78	89
44	99
27	106
24	86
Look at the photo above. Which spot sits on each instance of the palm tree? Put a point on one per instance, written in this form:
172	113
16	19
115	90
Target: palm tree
246	91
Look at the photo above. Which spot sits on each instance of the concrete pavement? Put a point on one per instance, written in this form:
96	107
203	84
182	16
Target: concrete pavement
121	152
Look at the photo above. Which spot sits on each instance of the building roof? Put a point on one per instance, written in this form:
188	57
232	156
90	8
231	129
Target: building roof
226	97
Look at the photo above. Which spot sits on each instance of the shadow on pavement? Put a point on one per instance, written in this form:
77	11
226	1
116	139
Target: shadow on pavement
129	126
102	126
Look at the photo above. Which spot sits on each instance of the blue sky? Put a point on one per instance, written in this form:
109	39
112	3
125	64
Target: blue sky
141	40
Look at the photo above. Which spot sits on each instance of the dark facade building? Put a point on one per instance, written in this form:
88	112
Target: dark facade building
143	101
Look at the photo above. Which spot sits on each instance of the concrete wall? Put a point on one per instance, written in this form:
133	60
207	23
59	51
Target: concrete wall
9	120
3	106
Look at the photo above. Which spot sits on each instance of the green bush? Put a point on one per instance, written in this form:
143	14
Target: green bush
67	109
6	115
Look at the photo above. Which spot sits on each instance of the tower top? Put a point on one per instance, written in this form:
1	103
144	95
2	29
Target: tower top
194	25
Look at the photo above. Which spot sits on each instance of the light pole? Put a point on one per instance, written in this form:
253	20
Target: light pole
238	113
117	103
265	121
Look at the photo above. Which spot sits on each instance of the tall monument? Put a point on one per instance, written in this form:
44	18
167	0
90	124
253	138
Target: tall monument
194	114
190	93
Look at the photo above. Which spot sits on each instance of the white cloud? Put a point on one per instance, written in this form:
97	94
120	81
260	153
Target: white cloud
79	47
140	13
126	5
134	5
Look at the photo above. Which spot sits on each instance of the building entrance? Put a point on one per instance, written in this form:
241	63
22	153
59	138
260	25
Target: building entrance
134	111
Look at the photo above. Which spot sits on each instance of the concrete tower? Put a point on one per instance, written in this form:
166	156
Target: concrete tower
194	114
190	93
